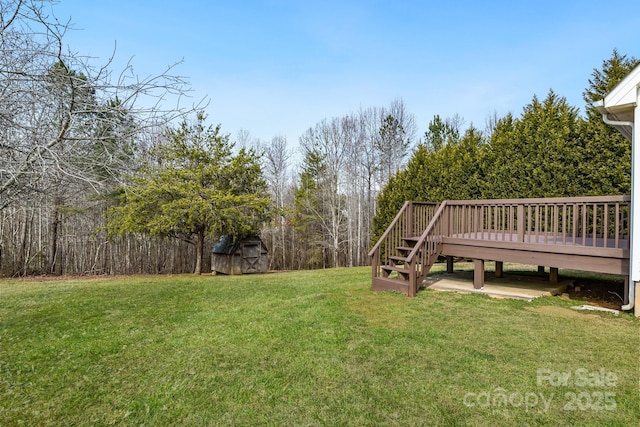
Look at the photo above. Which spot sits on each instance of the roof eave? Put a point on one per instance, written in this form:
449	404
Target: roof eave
625	92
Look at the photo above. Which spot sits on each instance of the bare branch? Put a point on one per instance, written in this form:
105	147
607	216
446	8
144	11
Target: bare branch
8	23
63	119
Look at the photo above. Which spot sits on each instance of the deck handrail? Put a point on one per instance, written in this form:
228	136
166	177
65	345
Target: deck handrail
576	221
391	226
502	202
395	221
542	200
427	231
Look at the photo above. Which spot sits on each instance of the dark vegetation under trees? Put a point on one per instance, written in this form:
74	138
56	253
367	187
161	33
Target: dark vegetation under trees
78	149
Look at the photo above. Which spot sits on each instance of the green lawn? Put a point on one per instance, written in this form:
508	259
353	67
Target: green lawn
305	348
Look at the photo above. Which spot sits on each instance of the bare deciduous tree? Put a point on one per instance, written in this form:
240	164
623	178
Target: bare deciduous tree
395	137
68	128
60	116
275	160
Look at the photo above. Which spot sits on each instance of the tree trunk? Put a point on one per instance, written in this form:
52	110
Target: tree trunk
283	224
53	239
199	251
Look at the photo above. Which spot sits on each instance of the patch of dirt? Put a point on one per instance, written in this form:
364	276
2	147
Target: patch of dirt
601	293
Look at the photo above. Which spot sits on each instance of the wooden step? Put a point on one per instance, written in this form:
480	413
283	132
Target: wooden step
386	284
406	249
403	273
399	270
398	258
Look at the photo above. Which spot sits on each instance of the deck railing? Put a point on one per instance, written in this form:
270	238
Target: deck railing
427	248
601	221
596	224
412	219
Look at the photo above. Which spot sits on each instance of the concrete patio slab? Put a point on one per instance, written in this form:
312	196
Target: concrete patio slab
509	286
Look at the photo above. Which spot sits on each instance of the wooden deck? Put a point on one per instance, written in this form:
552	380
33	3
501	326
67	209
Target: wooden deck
579	233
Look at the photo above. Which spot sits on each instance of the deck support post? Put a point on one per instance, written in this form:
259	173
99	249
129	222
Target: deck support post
413	280
553	276
541	269
478	273
374	265
449	264
499	269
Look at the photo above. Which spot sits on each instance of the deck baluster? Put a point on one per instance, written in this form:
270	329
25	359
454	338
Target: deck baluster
565	223
605	227
595	225
617	226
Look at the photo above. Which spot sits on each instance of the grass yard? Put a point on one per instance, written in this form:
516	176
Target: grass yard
305	348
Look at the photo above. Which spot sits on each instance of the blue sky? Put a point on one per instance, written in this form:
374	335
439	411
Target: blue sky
280	66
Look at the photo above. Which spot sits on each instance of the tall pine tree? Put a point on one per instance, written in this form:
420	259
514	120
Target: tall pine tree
607	154
537	155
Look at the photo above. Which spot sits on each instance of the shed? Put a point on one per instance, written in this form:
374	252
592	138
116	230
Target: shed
239	256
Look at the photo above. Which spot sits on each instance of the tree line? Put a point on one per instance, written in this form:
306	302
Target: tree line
326	206
359	169
549	150
69	129
97	177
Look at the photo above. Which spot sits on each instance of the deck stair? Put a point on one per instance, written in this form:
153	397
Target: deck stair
407	258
